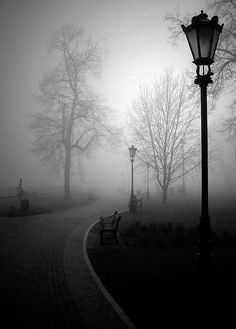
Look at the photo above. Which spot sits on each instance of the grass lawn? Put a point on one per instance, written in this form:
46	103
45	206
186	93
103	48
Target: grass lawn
154	274
40	203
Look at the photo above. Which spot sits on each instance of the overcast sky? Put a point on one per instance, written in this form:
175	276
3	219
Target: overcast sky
136	39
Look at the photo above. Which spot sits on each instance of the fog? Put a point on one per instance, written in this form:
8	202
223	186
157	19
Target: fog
136	39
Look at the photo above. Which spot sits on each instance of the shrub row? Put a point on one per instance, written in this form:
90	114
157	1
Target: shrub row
170	235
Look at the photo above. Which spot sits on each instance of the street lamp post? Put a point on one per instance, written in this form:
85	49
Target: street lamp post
132	152
148	166
203	35
183	164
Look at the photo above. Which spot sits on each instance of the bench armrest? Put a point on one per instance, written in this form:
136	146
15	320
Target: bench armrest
109	222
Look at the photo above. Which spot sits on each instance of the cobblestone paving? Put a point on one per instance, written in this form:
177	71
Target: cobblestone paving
34	290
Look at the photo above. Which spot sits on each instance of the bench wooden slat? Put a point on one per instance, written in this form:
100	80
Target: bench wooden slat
109	224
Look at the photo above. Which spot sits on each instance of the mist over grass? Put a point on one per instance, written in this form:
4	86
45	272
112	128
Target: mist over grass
43	200
187	209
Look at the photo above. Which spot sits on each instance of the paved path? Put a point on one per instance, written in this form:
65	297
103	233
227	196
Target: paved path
45	281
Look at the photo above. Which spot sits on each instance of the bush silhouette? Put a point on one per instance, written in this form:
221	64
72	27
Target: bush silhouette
170	235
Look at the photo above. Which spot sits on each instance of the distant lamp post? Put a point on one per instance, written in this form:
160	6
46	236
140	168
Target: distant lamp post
148	166
203	35
132	152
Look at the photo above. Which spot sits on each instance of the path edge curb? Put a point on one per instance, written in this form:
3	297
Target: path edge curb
101	286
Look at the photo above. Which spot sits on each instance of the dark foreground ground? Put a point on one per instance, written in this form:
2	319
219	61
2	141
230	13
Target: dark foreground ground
160	281
44	279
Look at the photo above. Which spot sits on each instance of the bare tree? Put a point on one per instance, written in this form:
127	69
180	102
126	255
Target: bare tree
225	57
162	118
71	118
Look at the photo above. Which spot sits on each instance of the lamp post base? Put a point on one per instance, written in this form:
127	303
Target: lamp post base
205	256
132	203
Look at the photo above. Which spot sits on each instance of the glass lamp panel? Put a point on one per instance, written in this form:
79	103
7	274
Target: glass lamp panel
205	33
214	43
192	39
132	151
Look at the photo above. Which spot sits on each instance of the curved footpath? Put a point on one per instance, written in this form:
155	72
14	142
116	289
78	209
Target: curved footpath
96	306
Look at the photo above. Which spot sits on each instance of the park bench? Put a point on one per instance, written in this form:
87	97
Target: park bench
109	226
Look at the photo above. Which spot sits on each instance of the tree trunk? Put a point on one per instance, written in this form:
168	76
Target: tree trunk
164	195
67	193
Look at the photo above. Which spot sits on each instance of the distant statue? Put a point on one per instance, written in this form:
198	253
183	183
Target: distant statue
20	193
